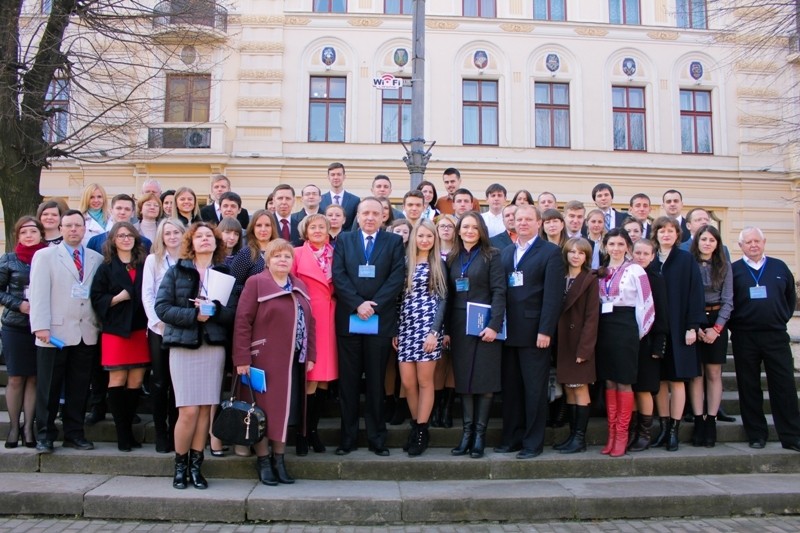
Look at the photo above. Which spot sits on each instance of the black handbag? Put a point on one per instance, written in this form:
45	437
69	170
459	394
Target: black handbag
239	422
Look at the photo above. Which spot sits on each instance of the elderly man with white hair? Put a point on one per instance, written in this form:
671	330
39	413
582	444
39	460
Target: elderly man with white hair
764	300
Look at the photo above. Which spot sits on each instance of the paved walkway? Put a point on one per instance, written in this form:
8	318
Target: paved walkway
772	524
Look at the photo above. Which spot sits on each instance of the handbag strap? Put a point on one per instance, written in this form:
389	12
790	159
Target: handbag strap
235	393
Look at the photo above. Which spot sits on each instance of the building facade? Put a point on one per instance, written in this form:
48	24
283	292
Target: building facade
544	95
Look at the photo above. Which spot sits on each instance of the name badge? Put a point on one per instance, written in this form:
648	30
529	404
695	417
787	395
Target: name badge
27	292
462	284
515	279
607	307
366	271
80	291
759	292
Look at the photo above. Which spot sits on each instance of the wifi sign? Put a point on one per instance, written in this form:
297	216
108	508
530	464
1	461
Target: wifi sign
387	81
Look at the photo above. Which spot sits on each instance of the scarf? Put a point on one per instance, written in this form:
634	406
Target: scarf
97	215
324	257
25	253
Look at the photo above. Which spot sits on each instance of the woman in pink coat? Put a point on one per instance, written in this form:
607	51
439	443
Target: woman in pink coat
312	265
274	331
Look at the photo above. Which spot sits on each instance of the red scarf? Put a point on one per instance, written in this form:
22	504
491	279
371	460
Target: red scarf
25	253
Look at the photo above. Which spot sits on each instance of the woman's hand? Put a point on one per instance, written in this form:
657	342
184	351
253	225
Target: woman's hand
243	370
25	308
488	335
430	343
395	343
691	337
709	335
309	366
446	342
120	297
200	316
579	360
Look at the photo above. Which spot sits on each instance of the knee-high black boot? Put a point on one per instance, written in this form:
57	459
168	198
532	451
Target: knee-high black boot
571	407
467	406
481	423
312	421
132	397
436	412
447	407
581	422
117	403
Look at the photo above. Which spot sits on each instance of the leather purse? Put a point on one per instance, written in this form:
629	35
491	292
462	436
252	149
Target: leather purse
238	421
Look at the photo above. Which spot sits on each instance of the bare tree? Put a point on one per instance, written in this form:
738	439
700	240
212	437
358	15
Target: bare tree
81	79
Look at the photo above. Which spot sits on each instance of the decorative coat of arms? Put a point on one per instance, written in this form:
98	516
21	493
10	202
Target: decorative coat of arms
401	57
328	56
552	62
629	66
696	70
480	59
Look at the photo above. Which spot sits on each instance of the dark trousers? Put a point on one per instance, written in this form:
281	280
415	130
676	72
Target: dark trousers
365	354
98	387
72	368
750	348
165	414
525	373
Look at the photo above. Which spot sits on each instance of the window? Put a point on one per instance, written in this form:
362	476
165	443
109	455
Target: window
396	113
551	101
479	8
397	7
188	98
57	106
330	6
696	122
549	10
326	113
624	12
46	7
629	118
480	112
692	14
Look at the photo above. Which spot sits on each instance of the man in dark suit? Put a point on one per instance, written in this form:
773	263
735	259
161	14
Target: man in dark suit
283	198
310	196
672	201
535	275
603	196
501	240
337	195
213	212
368	274
640	206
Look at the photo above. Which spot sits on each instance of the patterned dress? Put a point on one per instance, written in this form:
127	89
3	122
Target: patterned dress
418	316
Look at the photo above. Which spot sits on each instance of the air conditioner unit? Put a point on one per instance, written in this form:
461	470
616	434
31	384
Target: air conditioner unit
198	138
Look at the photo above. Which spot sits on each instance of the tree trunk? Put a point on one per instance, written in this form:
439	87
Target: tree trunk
19	195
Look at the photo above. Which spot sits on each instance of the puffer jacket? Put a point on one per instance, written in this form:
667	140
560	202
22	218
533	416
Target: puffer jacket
181	328
14	278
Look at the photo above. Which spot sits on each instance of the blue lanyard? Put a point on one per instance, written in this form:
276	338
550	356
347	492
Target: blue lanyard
609	282
760	272
464	268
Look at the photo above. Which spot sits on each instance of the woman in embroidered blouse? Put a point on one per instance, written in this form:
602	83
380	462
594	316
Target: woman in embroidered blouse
685	307
627	314
312	265
249	261
428	190
166	251
274	303
712	348
94	206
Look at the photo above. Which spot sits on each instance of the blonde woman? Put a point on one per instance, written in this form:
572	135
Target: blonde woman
444	381
419	340
94	206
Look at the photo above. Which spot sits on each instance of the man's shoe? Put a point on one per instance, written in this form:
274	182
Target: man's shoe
758	444
792	445
722	416
528	454
94	416
344	451
382	451
508	448
44	446
78	444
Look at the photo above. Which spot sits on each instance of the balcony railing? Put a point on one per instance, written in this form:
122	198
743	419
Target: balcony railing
194	13
191	138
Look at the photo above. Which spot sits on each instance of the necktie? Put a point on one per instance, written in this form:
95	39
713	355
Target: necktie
336	200
608	221
285	229
76	257
370	244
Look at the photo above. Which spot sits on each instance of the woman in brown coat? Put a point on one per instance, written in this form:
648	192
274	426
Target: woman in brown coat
274	331
577	333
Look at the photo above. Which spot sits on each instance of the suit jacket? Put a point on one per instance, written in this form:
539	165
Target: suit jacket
534	307
685	235
388	257
294	235
350	204
53	274
501	240
209	214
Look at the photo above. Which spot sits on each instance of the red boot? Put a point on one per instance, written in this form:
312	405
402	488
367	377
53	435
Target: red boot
611	413
624	410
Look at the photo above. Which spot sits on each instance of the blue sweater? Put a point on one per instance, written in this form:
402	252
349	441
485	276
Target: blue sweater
766	314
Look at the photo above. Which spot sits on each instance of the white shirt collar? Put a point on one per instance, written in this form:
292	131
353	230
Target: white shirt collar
755	265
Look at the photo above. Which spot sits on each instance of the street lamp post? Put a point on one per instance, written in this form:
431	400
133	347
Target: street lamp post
416	159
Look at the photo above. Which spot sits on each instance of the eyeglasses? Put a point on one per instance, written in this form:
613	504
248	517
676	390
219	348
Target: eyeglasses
124	237
446	226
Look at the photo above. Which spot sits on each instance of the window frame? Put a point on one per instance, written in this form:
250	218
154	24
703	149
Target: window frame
551	107
628	111
327	100
624	13
480	104
688	12
189	103
330	6
694	114
479	9
57	107
398	104
401	7
549	10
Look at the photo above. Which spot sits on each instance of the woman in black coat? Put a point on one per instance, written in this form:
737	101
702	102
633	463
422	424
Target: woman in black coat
686	311
117	300
475	275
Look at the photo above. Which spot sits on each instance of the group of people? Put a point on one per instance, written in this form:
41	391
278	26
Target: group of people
629	312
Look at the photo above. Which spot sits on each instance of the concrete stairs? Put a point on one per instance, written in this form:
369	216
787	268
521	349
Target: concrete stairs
361	488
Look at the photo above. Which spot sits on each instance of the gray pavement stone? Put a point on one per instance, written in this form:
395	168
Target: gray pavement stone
48	495
759	495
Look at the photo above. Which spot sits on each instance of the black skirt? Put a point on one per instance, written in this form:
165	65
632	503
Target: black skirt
648	378
717	353
618	346
19	349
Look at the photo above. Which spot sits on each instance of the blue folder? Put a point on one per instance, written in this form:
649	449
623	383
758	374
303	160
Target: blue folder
257	379
364	327
478	317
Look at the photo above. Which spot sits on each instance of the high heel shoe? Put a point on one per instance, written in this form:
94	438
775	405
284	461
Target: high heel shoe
12	443
216	453
28	443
